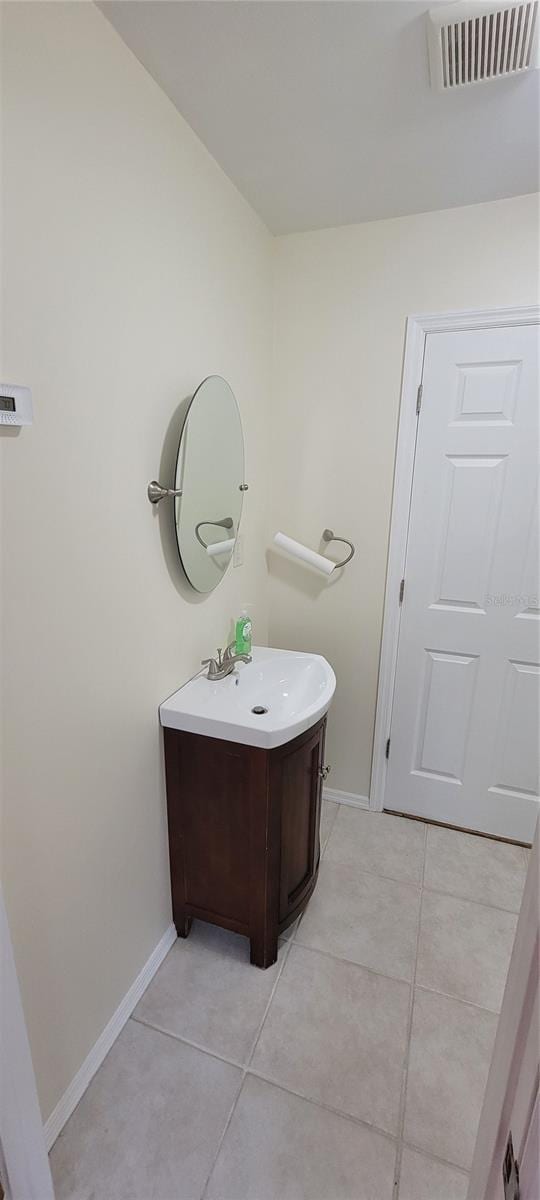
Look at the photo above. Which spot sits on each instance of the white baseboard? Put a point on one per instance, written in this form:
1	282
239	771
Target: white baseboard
68	1102
350	798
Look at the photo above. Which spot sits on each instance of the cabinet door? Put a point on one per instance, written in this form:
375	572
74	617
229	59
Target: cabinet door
300	788
208	803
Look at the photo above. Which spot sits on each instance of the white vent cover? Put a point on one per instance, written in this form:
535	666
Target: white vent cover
474	42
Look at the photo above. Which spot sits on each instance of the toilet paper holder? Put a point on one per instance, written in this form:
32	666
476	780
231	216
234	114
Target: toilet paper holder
328	535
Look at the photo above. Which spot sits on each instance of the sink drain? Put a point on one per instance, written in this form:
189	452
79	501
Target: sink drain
259	710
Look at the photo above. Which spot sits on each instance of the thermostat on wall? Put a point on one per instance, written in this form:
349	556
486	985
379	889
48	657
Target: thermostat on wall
15	405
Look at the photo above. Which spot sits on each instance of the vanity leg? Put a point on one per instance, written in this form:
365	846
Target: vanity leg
263	951
183	925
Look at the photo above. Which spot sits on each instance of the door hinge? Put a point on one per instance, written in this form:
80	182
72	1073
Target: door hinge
401	591
388	748
419	397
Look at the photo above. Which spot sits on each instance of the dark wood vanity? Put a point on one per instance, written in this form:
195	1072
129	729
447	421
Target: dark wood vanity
243	833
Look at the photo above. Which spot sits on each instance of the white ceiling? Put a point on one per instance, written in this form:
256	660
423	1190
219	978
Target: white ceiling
321	110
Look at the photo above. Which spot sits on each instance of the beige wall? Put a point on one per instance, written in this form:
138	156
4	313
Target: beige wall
132	269
341	300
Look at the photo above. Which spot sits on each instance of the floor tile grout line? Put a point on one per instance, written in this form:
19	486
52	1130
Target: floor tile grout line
221	1140
421	886
249	1070
338	1112
420	987
332	823
514	912
492	1012
298	924
383	975
288	944
286	951
445	1162
178	1037
427	826
405	1074
350	962
346	1116
245	1069
272	1082
366	871
231	1062
406	883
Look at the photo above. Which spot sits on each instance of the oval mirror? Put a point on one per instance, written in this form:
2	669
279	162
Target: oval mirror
210	475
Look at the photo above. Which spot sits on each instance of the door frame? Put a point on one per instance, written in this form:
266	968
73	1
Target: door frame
23	1153
519	1014
418	327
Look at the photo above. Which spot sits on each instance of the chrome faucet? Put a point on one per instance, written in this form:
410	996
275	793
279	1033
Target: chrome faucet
220	667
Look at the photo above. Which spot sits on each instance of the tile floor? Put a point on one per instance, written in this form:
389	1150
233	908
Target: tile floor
351	1070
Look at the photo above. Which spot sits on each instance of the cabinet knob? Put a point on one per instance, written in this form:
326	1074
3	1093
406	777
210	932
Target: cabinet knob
324	772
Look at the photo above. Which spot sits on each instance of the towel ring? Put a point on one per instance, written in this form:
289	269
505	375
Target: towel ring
226	523
329	536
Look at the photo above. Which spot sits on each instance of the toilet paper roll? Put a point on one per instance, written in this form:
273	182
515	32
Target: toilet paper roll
220	547
297	550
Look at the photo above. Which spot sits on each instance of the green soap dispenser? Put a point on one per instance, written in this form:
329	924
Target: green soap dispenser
243	633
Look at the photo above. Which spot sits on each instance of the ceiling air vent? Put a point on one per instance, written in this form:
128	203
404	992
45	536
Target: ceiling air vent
474	42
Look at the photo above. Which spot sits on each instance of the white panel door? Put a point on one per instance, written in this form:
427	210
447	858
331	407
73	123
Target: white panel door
465	725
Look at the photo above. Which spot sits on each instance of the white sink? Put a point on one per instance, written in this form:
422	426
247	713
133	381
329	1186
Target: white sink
295	688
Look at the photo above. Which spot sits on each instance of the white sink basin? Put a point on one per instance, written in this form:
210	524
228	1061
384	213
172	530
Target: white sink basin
295	688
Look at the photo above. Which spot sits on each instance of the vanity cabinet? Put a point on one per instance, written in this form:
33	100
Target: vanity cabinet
243	833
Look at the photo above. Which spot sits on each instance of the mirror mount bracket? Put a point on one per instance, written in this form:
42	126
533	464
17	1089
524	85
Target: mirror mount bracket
156	492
